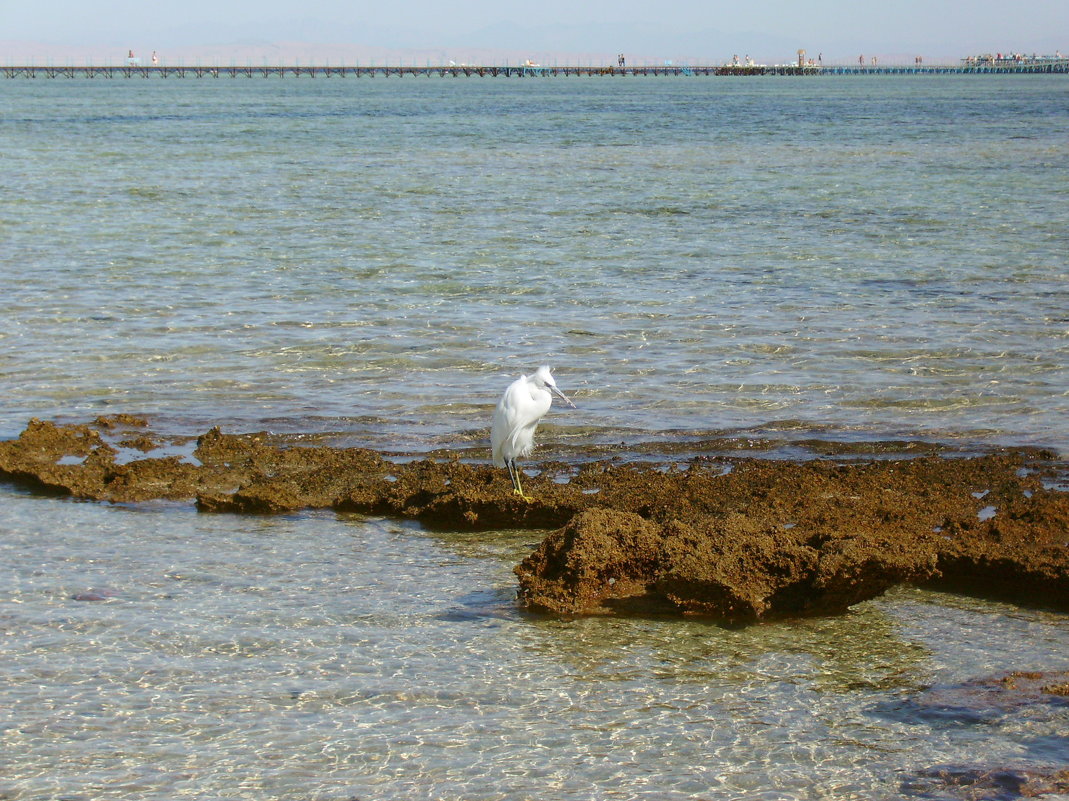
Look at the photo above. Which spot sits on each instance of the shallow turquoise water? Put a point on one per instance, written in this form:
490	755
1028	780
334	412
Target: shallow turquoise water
871	256
322	656
843	258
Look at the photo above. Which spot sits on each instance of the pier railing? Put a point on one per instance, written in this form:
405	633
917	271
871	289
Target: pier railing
1060	66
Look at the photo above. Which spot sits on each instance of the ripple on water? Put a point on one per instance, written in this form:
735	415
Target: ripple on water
856	280
338	655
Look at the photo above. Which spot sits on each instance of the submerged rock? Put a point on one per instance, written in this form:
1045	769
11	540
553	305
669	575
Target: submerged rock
738	539
971	783
981	700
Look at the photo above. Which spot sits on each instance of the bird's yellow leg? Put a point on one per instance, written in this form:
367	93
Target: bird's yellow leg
517	489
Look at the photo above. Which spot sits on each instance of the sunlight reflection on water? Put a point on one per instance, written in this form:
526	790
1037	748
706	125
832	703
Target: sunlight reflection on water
335	656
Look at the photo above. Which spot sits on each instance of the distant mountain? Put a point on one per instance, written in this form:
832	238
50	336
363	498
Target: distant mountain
644	42
498	44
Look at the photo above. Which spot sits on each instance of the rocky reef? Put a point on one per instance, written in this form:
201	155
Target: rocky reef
738	539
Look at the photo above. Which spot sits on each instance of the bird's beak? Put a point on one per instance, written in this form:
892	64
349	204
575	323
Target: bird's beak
562	396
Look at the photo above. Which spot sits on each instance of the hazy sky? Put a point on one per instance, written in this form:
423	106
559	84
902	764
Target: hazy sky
697	27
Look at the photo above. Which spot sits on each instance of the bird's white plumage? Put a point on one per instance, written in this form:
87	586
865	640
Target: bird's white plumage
525	402
516	417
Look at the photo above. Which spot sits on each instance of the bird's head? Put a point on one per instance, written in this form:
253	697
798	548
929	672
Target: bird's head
543	379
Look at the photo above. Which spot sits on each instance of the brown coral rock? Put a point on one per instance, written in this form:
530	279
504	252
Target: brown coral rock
739	539
735	569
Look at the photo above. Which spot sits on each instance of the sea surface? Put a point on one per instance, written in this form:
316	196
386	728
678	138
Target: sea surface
371	261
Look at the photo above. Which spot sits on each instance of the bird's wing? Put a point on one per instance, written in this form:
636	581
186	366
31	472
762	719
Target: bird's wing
505	420
511	417
514	404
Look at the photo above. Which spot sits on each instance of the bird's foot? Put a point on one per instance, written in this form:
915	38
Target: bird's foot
527	498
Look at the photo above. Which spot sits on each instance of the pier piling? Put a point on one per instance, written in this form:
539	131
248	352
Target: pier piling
1030	67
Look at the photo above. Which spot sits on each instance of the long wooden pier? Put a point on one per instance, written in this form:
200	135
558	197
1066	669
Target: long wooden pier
1051	66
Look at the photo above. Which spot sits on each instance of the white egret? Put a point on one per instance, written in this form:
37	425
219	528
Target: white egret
524	403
